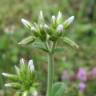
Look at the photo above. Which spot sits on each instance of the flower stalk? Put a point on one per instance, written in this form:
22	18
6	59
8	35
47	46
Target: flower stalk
50	69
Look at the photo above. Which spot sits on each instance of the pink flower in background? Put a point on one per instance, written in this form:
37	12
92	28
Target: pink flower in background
93	72
82	86
65	75
82	74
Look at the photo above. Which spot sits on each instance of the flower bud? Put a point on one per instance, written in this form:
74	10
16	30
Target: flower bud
9	75
22	61
59	18
16	85
26	23
53	19
60	28
68	22
31	65
41	17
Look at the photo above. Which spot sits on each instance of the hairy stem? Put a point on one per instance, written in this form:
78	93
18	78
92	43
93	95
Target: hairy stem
50	70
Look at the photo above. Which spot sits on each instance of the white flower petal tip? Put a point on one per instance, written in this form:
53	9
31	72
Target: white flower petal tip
41	13
71	19
68	21
33	28
4	74
8	85
31	65
22	61
25	22
41	17
53	19
46	26
60	28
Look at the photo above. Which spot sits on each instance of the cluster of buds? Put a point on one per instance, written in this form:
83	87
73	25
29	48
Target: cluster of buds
24	78
44	31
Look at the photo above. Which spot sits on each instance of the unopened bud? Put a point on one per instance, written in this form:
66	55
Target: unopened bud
26	23
53	19
22	61
59	17
68	21
41	17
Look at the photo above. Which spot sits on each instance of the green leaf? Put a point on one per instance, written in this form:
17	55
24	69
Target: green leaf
39	45
27	40
58	89
70	42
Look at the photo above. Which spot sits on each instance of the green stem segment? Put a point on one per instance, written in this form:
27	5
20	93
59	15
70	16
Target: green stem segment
50	74
50	70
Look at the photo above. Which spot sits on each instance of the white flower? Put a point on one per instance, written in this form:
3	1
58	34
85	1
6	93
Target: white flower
25	23
31	65
69	21
60	28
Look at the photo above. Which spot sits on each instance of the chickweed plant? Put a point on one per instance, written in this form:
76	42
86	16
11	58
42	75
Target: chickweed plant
48	34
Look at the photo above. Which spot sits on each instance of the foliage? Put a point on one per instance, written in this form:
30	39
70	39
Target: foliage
83	32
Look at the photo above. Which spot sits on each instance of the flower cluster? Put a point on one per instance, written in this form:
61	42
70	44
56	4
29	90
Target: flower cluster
24	79
44	31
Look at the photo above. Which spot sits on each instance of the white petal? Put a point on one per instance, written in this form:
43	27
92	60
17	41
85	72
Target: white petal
22	61
53	19
31	65
25	22
60	28
70	20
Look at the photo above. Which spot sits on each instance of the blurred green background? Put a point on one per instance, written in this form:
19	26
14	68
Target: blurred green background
83	31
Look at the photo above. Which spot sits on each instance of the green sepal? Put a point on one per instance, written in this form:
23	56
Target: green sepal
70	42
27	40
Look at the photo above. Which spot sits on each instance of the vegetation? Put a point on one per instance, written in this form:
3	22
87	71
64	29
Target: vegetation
69	61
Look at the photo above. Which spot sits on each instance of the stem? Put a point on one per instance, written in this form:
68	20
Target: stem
50	74
50	70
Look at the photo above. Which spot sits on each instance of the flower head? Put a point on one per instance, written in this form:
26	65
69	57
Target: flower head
81	74
93	72
82	86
